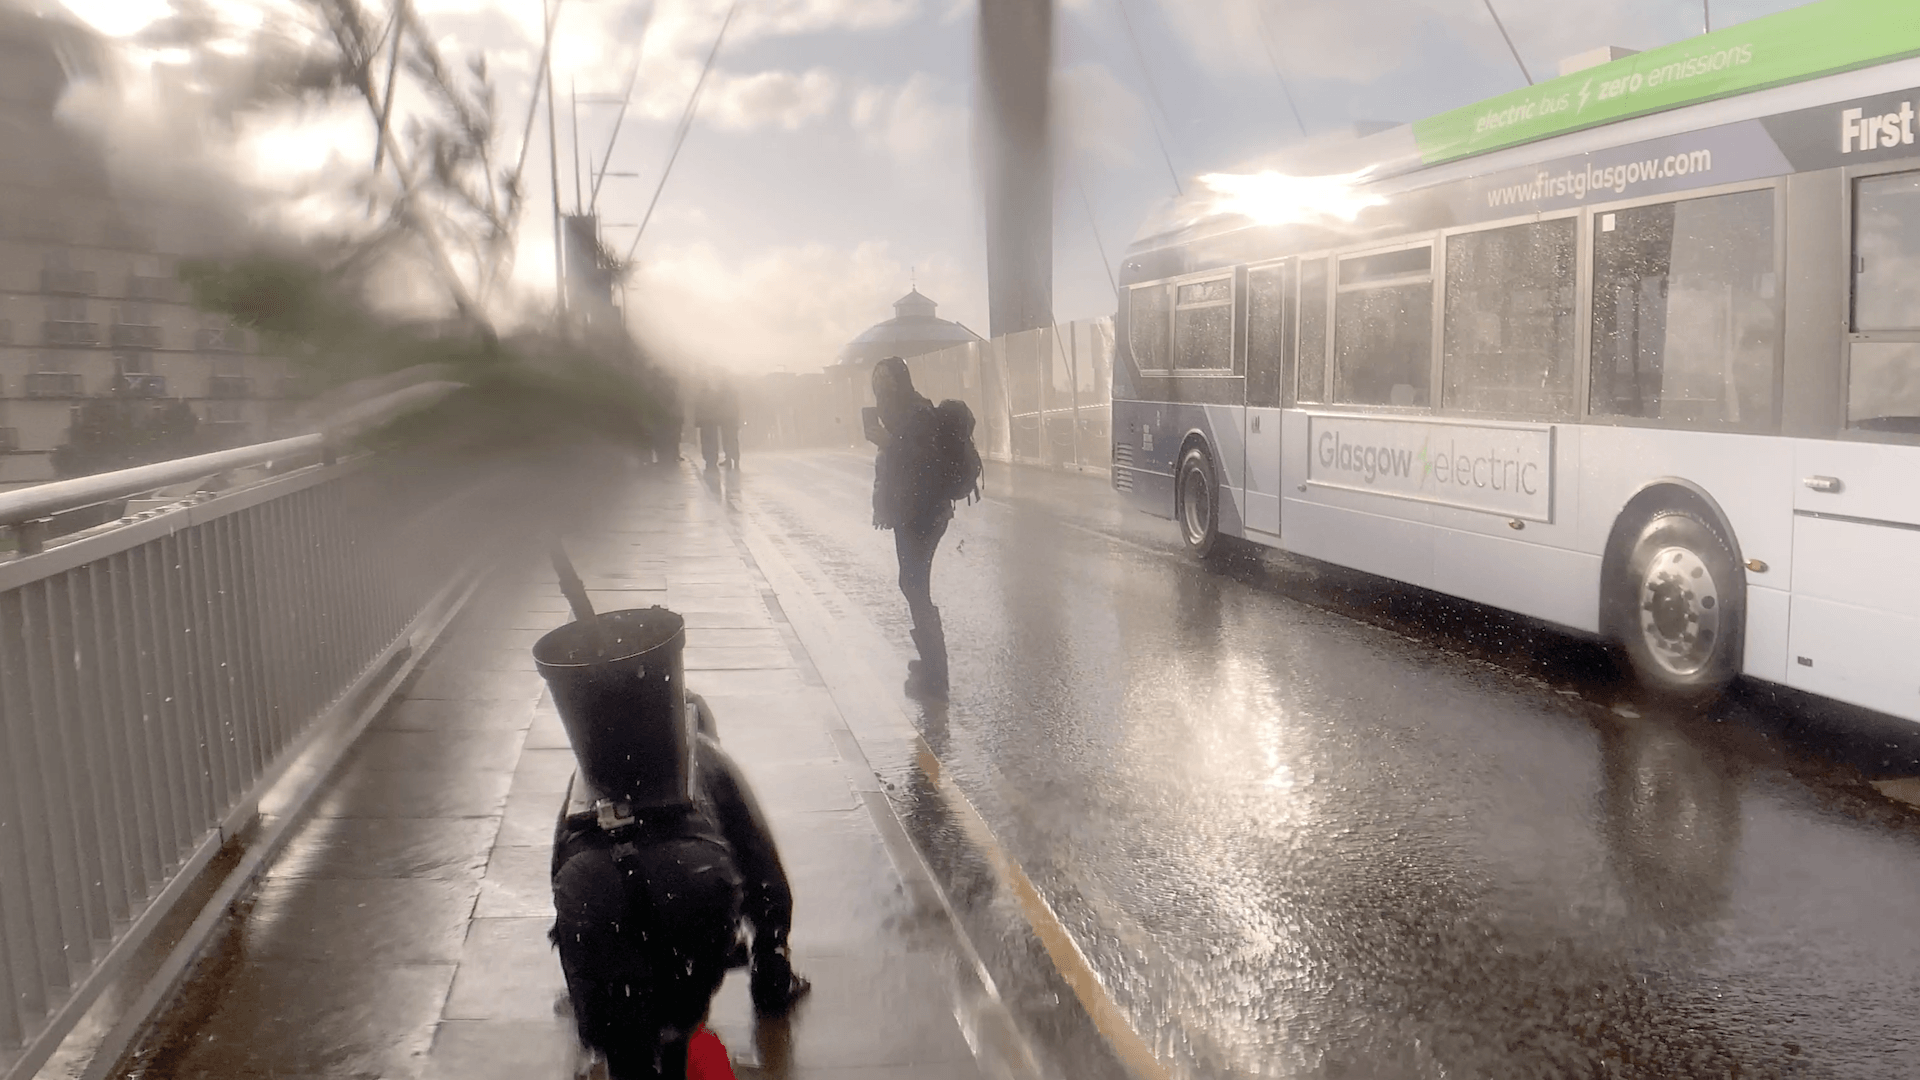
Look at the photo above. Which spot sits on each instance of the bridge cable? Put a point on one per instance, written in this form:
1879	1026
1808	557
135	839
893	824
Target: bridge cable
606	159
1094	224
1153	92
1509	40
1267	38
686	125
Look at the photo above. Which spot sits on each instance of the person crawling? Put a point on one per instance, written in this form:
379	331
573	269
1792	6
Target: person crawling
648	909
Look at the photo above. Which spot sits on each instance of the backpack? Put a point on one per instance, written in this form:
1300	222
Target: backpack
956	461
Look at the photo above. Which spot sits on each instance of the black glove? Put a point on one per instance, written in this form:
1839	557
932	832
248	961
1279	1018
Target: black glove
773	986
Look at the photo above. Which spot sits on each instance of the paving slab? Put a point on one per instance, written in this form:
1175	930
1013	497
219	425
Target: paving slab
419	715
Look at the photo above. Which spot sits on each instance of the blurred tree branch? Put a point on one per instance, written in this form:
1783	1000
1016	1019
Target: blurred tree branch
436	177
435	192
447	147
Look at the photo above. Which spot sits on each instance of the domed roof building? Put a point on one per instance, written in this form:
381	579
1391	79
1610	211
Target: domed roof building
913	331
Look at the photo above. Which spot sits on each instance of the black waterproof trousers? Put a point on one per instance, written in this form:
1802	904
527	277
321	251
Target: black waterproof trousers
914	544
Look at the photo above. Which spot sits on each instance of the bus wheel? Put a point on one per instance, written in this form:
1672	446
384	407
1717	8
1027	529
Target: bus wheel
1686	615
1197	502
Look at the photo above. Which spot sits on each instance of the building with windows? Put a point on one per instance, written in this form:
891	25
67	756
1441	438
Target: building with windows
90	304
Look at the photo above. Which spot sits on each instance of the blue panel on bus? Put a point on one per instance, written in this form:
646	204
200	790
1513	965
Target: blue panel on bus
1148	439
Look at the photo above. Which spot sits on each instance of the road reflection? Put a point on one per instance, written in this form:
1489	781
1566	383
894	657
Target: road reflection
1671	816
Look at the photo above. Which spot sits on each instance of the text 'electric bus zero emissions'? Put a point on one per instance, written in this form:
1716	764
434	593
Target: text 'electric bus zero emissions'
1635	351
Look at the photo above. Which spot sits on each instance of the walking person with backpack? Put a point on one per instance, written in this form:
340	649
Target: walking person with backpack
927	461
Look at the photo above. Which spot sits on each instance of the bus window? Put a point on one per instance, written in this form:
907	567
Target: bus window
1886	245
1507	344
1203	325
1685	311
1883	386
1313	330
1883	377
1383	328
1149	326
1266	330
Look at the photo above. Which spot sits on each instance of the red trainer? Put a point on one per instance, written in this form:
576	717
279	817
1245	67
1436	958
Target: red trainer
707	1057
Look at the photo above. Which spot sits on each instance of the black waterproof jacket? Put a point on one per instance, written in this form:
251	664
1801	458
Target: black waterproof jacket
906	474
724	804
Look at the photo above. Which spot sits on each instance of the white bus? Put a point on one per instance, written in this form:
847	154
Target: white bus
1635	351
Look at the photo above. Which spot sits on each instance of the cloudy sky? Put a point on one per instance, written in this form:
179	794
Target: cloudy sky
829	164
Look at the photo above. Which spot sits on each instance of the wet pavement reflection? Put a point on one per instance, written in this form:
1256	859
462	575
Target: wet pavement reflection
1307	824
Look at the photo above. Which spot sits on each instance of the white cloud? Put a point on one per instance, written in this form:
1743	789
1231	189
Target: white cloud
779	18
520	20
791	307
768	99
1100	120
916	123
597	44
285	170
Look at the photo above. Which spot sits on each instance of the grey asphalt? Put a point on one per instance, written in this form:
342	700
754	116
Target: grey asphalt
1302	823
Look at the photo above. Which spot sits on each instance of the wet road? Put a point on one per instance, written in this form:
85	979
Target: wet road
1428	841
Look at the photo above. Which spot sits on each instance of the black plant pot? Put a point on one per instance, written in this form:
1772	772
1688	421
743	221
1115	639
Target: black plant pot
619	683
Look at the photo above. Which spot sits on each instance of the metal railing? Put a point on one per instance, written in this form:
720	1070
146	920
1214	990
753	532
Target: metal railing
219	339
159	673
144	287
53	384
135	335
70	282
229	387
64	332
140	384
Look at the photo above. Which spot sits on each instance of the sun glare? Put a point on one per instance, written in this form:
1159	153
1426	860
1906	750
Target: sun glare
118	18
1273	198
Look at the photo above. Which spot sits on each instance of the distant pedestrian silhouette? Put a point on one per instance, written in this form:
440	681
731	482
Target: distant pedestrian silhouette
664	432
716	413
727	416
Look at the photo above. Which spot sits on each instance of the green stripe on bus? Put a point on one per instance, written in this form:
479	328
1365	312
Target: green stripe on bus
1803	43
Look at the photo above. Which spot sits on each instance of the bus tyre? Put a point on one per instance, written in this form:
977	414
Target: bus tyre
1685	611
1197	502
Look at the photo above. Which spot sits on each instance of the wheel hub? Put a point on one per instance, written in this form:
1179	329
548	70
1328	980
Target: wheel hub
1679	610
1198	505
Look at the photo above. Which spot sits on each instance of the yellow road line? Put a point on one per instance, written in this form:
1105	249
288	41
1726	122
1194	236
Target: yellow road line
1068	960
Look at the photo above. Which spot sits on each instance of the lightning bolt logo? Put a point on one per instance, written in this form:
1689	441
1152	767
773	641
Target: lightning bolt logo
1583	95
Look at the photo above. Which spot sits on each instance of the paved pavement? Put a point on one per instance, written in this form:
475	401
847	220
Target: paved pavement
402	933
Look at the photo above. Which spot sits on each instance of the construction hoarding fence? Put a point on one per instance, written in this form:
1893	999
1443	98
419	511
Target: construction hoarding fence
1041	397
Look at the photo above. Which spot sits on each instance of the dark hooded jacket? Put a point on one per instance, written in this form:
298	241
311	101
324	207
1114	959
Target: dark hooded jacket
906	474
